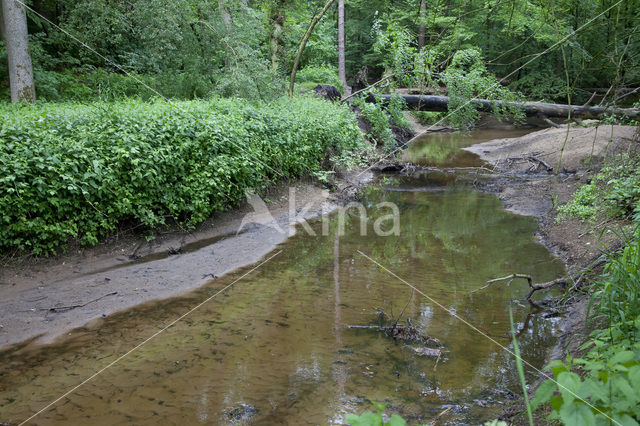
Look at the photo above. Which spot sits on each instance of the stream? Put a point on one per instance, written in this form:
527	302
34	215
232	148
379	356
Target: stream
275	348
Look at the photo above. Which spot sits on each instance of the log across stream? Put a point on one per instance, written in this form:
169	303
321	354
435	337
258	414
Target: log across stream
276	347
441	104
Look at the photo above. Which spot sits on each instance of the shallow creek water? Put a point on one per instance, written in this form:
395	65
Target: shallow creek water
275	348
443	149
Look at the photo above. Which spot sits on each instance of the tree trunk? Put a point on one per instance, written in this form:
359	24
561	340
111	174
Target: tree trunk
278	18
422	24
17	41
441	103
342	68
303	43
3	37
226	16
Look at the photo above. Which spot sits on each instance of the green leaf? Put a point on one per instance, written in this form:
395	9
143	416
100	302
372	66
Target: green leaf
576	413
396	420
568	385
365	419
621	357
544	392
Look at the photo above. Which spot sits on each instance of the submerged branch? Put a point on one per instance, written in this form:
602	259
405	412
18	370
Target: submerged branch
534	287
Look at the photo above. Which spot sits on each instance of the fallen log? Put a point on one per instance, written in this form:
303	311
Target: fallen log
441	104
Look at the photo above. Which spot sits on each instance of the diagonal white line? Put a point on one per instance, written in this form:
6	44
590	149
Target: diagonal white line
544	52
147	340
145	85
494	341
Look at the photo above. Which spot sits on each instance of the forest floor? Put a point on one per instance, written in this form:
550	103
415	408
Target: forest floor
41	299
532	193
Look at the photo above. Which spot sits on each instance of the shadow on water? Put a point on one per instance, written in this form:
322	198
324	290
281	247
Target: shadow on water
443	149
274	349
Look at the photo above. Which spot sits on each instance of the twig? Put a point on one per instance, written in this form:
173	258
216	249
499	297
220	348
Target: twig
590	100
367	88
544	163
549	122
434	421
68	308
403	309
437	361
509	277
534	287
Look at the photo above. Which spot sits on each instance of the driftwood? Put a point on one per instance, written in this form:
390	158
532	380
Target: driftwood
534	287
441	103
408	333
539	161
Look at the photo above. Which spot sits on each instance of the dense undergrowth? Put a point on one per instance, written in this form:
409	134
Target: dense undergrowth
78	171
603	385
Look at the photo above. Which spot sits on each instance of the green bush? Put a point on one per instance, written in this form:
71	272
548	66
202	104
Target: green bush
312	75
615	191
77	171
604	384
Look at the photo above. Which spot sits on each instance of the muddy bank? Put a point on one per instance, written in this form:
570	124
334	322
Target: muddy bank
41	299
553	163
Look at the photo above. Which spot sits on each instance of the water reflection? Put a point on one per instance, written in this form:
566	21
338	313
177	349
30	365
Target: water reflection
274	348
444	148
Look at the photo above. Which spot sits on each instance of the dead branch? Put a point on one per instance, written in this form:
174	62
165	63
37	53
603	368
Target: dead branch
434	421
367	88
539	161
534	287
68	308
549	122
590	100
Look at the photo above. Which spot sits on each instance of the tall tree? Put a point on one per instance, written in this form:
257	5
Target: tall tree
226	16
277	17
342	68
17	40
303	43
422	24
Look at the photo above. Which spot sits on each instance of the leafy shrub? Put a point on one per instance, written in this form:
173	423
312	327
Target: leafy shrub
313	75
615	191
467	78
608	390
77	171
427	118
604	384
375	114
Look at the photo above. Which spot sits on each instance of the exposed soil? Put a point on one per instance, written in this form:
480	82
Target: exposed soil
41	299
532	189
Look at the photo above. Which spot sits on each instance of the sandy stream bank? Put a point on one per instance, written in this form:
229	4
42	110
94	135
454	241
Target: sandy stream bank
42	299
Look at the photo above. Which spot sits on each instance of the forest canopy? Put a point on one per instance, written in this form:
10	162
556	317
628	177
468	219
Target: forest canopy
546	50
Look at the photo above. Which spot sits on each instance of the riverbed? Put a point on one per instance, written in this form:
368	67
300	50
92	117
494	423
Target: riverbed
277	348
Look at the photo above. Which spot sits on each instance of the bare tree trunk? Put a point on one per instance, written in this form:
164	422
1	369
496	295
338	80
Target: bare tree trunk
278	18
3	37
303	43
422	24
342	68
17	40
226	16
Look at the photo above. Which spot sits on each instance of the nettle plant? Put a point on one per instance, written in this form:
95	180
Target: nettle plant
603	386
72	171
